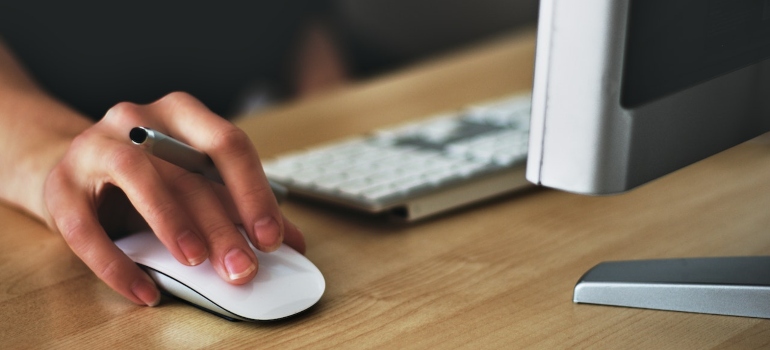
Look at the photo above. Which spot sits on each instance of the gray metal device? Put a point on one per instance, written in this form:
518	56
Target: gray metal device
738	286
626	91
175	152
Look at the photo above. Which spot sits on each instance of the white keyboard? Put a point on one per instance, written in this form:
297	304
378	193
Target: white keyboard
420	168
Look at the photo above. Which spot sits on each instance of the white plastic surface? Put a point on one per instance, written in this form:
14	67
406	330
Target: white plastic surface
286	283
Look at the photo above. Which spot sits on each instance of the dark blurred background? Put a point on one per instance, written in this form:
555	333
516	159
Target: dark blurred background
236	55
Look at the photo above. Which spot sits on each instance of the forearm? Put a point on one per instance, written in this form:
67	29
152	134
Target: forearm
35	131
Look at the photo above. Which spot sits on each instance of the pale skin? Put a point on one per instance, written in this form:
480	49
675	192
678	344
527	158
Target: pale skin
84	179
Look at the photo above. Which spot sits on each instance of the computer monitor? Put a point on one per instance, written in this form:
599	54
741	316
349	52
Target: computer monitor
626	91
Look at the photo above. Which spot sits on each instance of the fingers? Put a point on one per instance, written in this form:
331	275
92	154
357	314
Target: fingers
248	191
292	235
130	169
237	161
231	256
75	218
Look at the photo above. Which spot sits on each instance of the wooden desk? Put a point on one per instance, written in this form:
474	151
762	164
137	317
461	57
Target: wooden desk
499	274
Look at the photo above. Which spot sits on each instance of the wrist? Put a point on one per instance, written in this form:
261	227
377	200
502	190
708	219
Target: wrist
38	132
27	184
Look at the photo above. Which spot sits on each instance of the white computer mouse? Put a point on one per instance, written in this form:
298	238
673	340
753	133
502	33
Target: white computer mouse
286	283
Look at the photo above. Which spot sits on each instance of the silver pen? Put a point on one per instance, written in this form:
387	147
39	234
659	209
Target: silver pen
180	154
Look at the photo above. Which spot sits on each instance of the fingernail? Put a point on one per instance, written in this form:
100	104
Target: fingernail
268	233
146	292
192	247
238	264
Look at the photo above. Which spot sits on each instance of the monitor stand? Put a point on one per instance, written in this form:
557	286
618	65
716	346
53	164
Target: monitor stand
737	286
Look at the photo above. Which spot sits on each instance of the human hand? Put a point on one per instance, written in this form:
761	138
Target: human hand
194	218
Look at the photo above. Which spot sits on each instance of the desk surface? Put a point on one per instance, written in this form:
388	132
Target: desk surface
492	275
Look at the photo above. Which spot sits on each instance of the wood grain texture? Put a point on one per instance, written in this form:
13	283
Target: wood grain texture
496	275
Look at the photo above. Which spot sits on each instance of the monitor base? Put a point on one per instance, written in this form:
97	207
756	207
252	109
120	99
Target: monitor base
737	286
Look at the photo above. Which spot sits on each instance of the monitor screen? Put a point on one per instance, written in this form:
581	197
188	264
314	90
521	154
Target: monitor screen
672	46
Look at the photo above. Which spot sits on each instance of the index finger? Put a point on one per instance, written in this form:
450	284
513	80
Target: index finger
235	157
